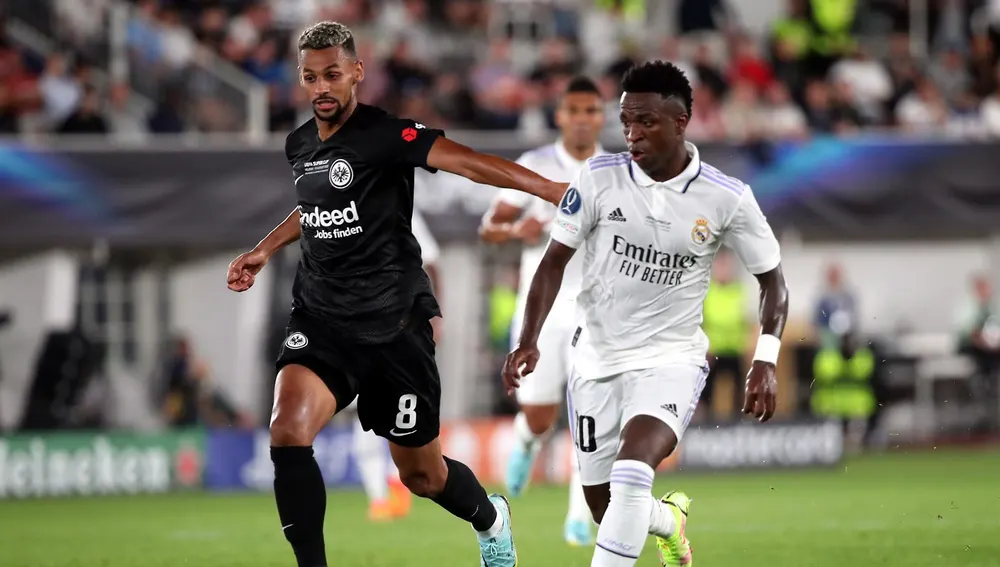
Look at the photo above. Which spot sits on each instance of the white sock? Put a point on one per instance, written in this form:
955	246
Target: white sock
370	453
495	529
578	509
532	443
625	526
661	519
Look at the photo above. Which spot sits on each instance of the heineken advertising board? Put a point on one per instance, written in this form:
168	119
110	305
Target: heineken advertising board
97	464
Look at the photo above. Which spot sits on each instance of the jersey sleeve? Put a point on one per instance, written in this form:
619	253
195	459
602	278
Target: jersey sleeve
576	216
749	235
429	251
404	142
513	197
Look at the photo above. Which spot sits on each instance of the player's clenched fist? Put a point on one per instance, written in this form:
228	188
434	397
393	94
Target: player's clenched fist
244	269
520	362
761	391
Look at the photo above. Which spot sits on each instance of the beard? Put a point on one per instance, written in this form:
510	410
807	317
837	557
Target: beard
331	116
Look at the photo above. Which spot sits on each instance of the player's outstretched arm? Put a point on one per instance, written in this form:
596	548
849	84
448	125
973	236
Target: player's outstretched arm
762	385
544	289
244	269
453	157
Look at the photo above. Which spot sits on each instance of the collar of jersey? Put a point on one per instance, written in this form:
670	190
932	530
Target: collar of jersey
679	183
569	162
343	127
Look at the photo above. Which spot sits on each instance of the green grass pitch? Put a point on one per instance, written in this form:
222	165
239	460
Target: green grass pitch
939	508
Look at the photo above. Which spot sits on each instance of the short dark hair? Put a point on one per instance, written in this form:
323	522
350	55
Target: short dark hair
581	84
324	35
660	77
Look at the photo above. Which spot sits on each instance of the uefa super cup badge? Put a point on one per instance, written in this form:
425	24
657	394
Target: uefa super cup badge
700	233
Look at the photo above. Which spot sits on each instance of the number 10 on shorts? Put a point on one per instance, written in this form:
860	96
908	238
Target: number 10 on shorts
585	438
406	418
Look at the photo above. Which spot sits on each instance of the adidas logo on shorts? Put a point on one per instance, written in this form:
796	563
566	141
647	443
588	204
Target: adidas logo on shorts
672	408
616	215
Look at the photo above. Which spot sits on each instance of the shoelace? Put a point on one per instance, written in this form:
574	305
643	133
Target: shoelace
492	548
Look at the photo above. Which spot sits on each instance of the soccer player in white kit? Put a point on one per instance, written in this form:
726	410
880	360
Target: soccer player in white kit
650	222
388	499
515	215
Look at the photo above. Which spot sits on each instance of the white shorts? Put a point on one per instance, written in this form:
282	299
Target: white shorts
547	384
599	410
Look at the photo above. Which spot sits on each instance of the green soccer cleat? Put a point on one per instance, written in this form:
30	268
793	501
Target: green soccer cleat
675	550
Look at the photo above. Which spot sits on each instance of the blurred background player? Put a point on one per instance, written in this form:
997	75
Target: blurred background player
517	216
388	498
725	322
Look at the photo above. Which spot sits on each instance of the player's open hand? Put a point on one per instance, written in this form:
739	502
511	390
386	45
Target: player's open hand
244	269
520	362
761	396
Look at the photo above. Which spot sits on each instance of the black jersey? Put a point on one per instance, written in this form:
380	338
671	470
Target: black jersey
361	271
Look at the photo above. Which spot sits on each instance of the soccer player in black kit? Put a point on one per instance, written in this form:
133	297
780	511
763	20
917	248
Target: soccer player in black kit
360	323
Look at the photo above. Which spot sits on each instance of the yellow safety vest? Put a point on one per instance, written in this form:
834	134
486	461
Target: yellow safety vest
503	304
842	387
631	9
834	19
797	32
724	319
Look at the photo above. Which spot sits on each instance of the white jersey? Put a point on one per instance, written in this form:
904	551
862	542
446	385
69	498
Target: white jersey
429	250
648	250
554	162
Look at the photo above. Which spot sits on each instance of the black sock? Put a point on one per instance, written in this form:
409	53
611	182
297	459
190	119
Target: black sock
301	497
465	498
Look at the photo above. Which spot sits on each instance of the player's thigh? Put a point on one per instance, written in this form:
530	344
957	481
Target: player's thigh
657	406
594	408
400	398
313	383
547	384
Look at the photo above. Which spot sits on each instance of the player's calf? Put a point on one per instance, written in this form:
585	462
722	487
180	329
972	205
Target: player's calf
454	487
302	405
632	512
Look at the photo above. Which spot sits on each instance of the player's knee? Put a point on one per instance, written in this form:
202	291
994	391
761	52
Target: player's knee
423	483
540	418
290	431
648	440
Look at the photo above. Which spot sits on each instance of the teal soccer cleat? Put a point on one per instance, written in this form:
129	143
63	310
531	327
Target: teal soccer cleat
578	534
518	470
498	551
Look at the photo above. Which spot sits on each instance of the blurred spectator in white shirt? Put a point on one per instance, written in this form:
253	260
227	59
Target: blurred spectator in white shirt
780	118
871	84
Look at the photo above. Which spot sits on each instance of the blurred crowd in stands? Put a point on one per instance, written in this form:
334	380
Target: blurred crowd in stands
825	66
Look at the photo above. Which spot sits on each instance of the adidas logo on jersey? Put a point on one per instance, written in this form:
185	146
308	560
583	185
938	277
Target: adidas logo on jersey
616	215
672	408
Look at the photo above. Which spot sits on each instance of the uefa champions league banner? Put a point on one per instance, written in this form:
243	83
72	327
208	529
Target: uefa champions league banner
226	197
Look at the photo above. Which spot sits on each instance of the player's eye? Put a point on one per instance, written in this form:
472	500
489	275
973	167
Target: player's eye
309	79
647	123
332	76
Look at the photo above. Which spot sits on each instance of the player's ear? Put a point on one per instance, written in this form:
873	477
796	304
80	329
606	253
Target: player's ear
681	122
359	71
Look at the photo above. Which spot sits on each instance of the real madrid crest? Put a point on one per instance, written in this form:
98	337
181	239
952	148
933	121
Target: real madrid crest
700	233
341	174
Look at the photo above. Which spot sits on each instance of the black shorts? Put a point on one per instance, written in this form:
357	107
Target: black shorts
397	384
